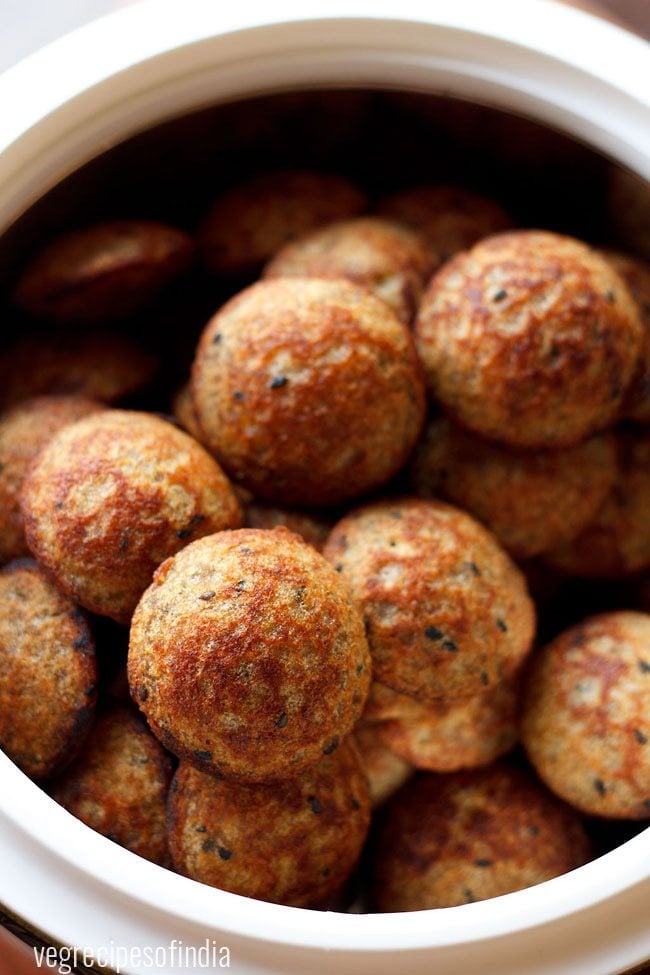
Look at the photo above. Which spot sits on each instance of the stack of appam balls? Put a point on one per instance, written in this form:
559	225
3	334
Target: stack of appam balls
404	413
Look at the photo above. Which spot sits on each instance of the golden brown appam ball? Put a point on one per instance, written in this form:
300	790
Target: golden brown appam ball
24	429
448	737
450	218
247	655
386	771
112	496
446	610
586	715
616	542
391	261
532	500
312	527
100	365
530	338
294	842
453	839
118	786
636	274
103	272
48	671
308	391
250	222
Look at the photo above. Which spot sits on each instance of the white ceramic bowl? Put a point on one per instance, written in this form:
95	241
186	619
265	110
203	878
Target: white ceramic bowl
66	104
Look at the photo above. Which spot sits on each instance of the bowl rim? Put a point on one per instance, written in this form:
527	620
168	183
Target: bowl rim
94	77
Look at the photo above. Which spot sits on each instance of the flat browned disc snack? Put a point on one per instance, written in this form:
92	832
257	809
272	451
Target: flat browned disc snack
616	543
24	429
103	272
100	365
118	786
308	391
530	338
112	496
453	839
450	218
293	843
636	275
449	737
250	222
48	671
533	500
392	261
247	655
446	610
586	718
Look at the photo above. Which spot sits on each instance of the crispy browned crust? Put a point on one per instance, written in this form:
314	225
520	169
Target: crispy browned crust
450	218
308	391
100	365
446	610
48	671
103	272
531	339
532	500
293	843
112	496
312	527
636	274
392	261
118	785
386	771
453	839
24	429
247	655
249	223
447	737
586	721
616	542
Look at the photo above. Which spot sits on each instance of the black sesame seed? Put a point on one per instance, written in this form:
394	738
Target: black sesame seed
203	756
640	737
142	693
245	550
208	846
325	872
238	395
469	896
124	544
485	679
482	862
503	626
500	295
189	528
611	297
209	594
338	568
282	721
224	853
240	585
278	382
355	803
600	787
315	804
58	505
644	666
333	745
473	567
534	830
450	646
200	829
359	670
217	339
433	633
